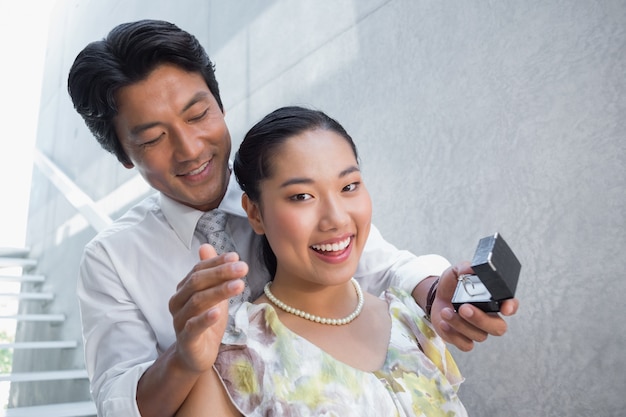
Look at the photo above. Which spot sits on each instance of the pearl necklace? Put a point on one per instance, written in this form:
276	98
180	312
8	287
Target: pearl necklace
313	317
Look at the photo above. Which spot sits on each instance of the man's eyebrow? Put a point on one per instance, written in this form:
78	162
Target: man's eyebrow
303	180
199	96
140	128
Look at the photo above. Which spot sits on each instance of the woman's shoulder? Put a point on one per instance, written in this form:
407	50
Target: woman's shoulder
399	298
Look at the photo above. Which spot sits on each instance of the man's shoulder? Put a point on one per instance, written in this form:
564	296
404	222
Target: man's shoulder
143	217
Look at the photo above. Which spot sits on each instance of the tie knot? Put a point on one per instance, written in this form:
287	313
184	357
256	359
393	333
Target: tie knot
211	222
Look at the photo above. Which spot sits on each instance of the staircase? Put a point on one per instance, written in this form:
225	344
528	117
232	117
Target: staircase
39	360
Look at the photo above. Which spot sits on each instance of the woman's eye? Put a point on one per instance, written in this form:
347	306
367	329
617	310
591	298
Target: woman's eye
300	197
351	187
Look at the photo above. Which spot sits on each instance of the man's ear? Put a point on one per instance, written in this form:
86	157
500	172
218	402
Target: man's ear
126	162
254	214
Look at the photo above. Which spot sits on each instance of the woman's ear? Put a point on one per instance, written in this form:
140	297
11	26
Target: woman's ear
254	214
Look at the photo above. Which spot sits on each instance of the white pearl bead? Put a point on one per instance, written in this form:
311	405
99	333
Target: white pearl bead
313	317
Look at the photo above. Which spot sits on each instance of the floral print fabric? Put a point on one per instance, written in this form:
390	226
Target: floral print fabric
268	370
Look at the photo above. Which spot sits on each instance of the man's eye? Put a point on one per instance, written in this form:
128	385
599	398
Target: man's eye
199	116
150	142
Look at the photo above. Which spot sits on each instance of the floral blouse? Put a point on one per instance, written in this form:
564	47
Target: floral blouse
268	370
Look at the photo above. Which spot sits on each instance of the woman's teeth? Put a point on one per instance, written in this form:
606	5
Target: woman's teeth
332	247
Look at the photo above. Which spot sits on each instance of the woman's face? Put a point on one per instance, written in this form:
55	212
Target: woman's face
315	209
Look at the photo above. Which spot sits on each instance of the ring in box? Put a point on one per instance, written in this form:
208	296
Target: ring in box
497	271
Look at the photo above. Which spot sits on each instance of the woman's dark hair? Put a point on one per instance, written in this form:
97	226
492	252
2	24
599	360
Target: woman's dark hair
254	159
127	55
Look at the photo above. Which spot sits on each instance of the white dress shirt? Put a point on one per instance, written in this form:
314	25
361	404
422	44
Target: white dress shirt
129	272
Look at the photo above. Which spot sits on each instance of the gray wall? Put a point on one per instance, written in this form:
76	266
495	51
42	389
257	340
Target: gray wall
471	117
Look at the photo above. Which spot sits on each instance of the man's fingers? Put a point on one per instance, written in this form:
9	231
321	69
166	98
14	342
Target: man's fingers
204	289
195	307
213	270
202	279
200	306
207	252
210	259
198	324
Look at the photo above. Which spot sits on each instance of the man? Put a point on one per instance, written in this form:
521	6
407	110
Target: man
149	95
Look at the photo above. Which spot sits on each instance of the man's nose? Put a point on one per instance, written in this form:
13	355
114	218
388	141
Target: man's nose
187	146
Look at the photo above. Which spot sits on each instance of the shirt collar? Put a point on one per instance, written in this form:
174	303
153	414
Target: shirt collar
183	219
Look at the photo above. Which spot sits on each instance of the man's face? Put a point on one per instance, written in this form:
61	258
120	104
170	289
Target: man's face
174	132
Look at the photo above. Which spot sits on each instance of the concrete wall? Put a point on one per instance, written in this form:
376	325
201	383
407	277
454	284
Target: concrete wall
471	117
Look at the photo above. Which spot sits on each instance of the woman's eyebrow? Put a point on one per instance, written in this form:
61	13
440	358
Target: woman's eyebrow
303	180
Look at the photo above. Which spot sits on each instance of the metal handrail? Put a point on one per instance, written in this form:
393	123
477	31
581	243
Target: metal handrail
76	197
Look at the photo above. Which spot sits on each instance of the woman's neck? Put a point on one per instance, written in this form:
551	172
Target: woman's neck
335	301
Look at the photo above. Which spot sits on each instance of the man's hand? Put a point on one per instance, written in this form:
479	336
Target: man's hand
470	324
200	312
200	306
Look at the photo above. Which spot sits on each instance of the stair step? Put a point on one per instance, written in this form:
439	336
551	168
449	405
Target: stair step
28	295
51	344
77	409
14	252
19	262
35	317
44	375
22	278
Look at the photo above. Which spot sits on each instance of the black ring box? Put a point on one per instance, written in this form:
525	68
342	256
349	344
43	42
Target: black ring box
497	271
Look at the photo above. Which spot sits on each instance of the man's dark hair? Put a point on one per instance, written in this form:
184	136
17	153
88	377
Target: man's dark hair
127	55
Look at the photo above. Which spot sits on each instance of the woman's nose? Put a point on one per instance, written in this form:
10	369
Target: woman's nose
334	214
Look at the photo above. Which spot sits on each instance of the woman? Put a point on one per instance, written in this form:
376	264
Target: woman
314	343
